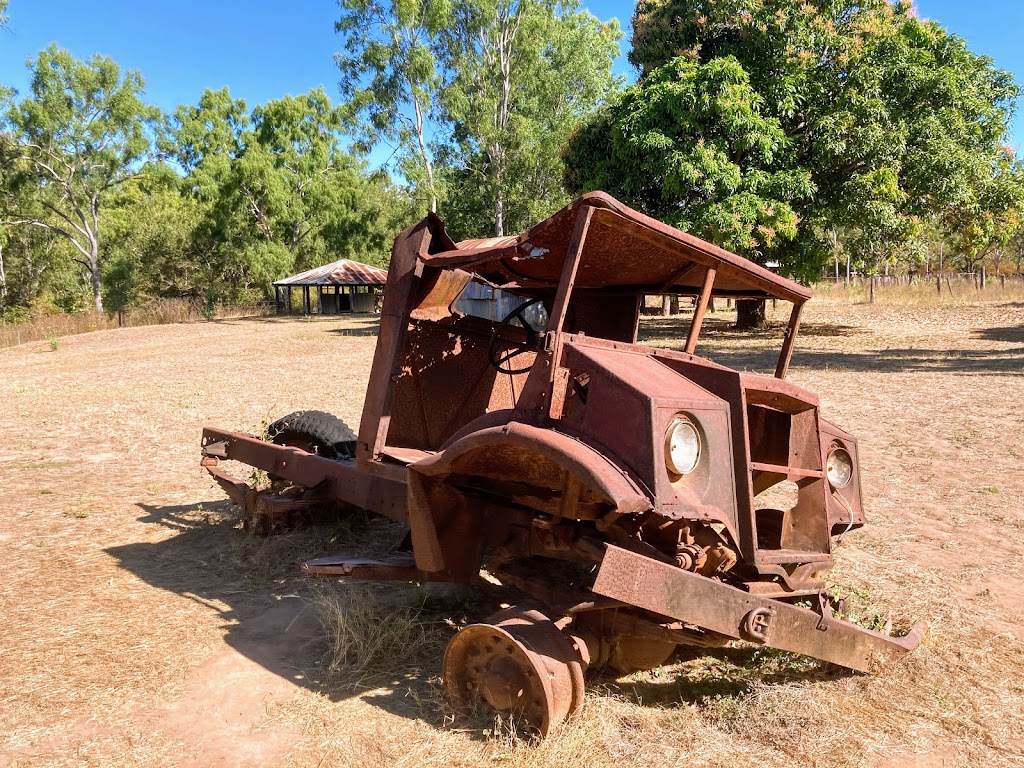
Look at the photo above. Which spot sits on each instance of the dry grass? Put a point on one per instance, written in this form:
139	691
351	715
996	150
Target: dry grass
142	627
161	312
951	291
372	631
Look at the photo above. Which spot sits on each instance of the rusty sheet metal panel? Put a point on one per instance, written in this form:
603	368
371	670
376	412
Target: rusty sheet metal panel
382	491
718	607
629	401
626	249
447	380
342	272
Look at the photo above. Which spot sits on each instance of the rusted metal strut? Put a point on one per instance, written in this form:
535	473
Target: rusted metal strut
718	607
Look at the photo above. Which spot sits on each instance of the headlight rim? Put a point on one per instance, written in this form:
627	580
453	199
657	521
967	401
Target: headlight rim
834	449
673	468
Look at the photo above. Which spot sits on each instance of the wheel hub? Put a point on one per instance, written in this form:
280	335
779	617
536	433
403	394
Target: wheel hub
519	665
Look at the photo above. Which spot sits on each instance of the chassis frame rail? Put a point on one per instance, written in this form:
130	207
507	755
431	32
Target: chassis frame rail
712	605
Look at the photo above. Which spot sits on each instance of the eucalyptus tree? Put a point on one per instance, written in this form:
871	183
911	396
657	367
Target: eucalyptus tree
521	75
390	77
82	131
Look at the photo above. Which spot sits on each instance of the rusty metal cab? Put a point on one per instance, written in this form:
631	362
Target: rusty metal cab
621	486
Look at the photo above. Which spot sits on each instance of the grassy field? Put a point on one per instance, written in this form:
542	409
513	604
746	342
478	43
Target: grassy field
140	626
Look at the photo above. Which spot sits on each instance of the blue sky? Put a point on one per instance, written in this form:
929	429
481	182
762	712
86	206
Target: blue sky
263	49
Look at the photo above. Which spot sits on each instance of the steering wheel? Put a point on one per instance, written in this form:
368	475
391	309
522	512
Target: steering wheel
500	359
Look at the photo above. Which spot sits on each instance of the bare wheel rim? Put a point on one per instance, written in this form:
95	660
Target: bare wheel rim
521	666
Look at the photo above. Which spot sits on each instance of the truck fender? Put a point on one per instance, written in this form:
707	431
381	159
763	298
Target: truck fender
593	469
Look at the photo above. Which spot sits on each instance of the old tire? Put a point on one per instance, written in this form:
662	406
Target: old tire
314	432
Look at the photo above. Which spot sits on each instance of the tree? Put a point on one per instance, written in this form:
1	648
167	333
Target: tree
894	120
390	78
689	145
276	192
81	133
992	216
149	241
522	74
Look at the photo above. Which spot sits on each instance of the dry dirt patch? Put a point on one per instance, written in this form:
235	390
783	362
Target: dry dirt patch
141	627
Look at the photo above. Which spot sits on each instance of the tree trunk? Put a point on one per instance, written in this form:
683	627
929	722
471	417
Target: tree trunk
3	281
673	305
94	253
666	306
750	314
499	210
97	288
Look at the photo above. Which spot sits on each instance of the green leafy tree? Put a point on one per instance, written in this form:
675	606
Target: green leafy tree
894	118
276	192
690	146
148	238
986	223
81	132
390	77
522	74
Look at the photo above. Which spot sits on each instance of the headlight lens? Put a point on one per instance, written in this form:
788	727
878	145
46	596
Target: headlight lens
839	468
682	446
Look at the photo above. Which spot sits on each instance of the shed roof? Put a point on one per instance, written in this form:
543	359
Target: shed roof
625	250
342	272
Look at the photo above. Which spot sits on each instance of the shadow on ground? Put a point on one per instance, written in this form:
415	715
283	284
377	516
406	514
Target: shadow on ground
270	615
269	608
1013	334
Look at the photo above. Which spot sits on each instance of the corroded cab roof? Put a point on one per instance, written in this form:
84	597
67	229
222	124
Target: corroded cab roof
343	272
624	251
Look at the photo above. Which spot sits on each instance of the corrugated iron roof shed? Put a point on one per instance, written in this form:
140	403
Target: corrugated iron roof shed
343	272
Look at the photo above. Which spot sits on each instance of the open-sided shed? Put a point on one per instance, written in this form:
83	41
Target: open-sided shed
341	286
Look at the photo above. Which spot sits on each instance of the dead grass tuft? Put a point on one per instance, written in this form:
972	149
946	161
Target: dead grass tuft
373	630
924	293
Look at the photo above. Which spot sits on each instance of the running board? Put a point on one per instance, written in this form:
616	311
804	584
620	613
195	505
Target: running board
711	605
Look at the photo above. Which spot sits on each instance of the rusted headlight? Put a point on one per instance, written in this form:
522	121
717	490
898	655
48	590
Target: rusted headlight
682	446
839	468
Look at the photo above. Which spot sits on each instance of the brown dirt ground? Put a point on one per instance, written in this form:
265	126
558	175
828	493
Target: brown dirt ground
140	626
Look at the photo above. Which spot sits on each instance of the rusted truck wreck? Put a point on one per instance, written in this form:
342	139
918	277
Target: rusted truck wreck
613	484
